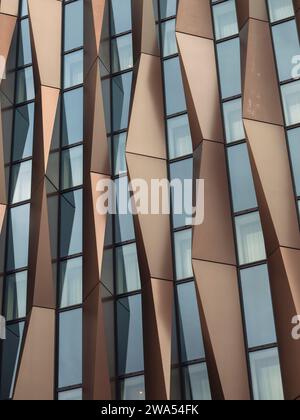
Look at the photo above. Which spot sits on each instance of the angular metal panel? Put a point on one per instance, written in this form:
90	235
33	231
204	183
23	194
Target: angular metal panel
35	377
201	84
273	178
261	96
194	18
218	294
46	29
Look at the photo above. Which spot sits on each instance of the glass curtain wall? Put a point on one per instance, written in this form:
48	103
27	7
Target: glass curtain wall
253	271
189	371
65	201
120	257
18	167
287	52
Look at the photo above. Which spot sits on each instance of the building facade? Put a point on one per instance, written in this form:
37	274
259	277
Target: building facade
137	305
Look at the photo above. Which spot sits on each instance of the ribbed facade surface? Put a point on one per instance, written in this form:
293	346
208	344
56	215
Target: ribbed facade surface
142	306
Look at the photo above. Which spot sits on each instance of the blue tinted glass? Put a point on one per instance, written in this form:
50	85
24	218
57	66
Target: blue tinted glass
23	132
175	97
287	46
72	117
192	347
294	142
73	25
167	8
121	91
24	46
120	16
130	335
230	67
71	223
10	356
18	237
242	186
70	348
258	306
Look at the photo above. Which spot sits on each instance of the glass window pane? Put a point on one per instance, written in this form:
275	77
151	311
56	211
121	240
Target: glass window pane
280	9
242	186
234	126
196	383
23	132
179	137
24	57
120	166
70	283
70	348
124	227
73	25
133	389
24	8
167	8
130	335
183	254
286	43
25	85
175	96
251	245
291	102
122	55
258	306
182	198
20	182
121	91
225	19
16	296
192	347
120	16
73	69
72	167
294	143
169	42
71	223
230	67
18	238
10	357
73	395
266	375
127	267
72	117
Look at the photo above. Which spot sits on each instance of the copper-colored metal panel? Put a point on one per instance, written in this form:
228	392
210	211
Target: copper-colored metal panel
96	150
7	28
218	294
284	277
270	161
157	301
35	378
251	9
49	106
213	240
194	18
41	288
94	11
9	7
201	81
155	228
297	13
45	20
2	215
94	234
146	134
261	96
96	380
144	31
